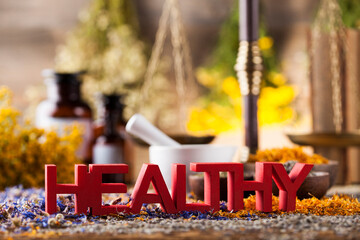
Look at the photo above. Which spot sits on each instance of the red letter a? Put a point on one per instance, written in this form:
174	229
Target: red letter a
150	173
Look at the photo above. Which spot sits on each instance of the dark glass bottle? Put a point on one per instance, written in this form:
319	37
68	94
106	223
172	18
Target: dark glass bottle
109	147
99	124
64	107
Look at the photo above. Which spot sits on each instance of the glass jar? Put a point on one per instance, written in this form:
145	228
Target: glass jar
64	107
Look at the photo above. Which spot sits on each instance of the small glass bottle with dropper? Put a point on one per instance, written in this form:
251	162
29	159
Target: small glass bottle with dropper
109	147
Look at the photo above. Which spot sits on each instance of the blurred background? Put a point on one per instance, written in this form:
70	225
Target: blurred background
114	42
32	31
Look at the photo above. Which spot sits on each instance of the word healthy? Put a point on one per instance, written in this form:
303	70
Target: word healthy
88	187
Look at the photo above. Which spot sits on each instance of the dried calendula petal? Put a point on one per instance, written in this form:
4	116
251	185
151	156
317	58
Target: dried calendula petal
286	154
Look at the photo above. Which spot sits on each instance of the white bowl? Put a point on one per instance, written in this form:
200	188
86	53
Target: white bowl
165	156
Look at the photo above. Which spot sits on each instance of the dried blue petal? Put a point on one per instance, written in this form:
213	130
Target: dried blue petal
24	228
61	206
29	215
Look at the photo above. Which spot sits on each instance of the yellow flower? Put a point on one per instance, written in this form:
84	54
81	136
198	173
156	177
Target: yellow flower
5	96
274	104
237	108
265	43
280	96
231	87
205	78
214	119
277	78
24	149
198	122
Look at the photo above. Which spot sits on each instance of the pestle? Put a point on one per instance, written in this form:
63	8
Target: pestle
143	129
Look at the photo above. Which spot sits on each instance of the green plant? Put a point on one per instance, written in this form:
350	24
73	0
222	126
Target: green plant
350	13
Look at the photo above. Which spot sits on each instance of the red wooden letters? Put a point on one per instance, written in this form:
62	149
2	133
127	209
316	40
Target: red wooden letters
88	187
150	173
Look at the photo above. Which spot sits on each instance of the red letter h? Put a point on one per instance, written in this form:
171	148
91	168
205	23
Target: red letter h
88	188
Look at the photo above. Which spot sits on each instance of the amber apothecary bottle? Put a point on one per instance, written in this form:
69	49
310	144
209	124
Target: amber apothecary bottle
99	124
109	147
64	107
